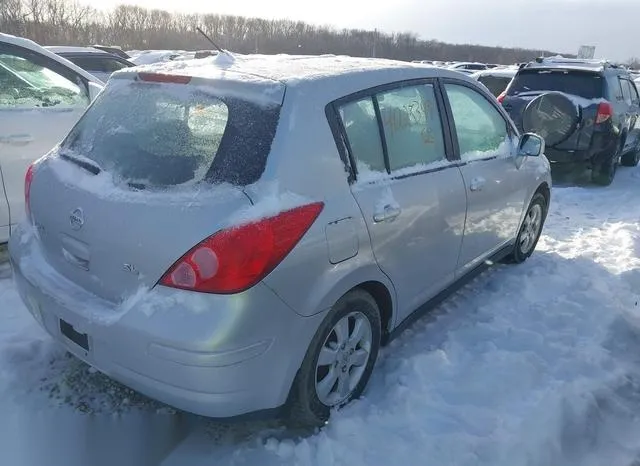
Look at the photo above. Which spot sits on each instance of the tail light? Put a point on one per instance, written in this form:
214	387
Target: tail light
502	95
605	111
28	179
235	259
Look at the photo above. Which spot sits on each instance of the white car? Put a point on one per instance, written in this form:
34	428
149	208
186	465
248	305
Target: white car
42	95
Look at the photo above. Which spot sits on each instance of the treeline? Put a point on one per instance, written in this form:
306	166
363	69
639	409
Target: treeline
66	22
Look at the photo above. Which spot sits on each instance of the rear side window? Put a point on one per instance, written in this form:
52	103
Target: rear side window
581	83
361	125
159	135
615	89
412	126
495	84
634	91
626	90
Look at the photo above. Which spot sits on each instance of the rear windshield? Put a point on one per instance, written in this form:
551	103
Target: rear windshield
495	84
581	83
160	135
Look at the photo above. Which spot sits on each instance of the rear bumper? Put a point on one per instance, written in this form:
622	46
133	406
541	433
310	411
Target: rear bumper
602	145
217	356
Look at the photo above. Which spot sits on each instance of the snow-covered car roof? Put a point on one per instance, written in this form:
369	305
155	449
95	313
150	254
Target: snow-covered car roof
340	75
30	45
506	72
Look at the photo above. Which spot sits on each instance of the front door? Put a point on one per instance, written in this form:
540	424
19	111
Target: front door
40	100
494	179
411	196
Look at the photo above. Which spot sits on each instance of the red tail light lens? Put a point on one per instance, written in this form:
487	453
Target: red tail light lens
502	95
164	78
235	259
28	179
605	112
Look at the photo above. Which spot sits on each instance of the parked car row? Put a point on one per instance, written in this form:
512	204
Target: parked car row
242	236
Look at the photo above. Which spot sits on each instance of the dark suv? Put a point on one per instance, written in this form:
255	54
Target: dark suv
586	110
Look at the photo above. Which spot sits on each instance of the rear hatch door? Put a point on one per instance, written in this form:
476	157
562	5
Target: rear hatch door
151	170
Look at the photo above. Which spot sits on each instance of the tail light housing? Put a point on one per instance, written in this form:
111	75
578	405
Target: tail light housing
502	95
28	179
605	112
235	259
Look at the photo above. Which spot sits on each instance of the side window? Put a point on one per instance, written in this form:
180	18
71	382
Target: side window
615	89
626	91
634	92
361	125
29	80
480	128
412	126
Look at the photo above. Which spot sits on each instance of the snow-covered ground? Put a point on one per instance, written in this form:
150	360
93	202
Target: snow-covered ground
536	364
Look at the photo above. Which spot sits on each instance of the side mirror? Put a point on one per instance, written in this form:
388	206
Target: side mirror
94	90
531	145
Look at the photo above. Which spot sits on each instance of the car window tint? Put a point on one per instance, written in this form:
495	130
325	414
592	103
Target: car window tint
412	126
363	135
480	128
28	83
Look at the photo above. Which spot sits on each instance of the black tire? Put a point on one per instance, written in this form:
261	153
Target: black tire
305	410
519	255
632	158
553	116
604	173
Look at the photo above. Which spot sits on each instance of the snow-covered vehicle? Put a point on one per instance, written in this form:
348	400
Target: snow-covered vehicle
242	234
496	79
42	96
587	111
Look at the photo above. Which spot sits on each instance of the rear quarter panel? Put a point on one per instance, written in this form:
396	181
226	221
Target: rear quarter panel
304	160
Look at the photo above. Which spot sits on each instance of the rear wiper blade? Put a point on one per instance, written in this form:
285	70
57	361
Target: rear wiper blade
82	162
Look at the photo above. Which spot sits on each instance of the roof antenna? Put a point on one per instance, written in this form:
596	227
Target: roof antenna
209	39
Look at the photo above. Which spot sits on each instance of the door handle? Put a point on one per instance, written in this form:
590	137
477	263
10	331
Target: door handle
16	139
388	214
477	184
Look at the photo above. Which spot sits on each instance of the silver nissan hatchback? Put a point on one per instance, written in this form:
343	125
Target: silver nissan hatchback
240	235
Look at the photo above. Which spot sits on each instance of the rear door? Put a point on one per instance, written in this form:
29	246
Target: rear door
496	185
630	113
40	100
634	127
410	193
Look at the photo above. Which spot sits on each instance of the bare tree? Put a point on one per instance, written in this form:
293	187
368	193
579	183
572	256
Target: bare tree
66	22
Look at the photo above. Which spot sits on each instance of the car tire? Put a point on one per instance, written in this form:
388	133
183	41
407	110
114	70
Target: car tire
632	158
604	173
310	402
529	233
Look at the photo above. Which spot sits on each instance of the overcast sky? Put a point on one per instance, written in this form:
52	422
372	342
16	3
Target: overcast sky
613	26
